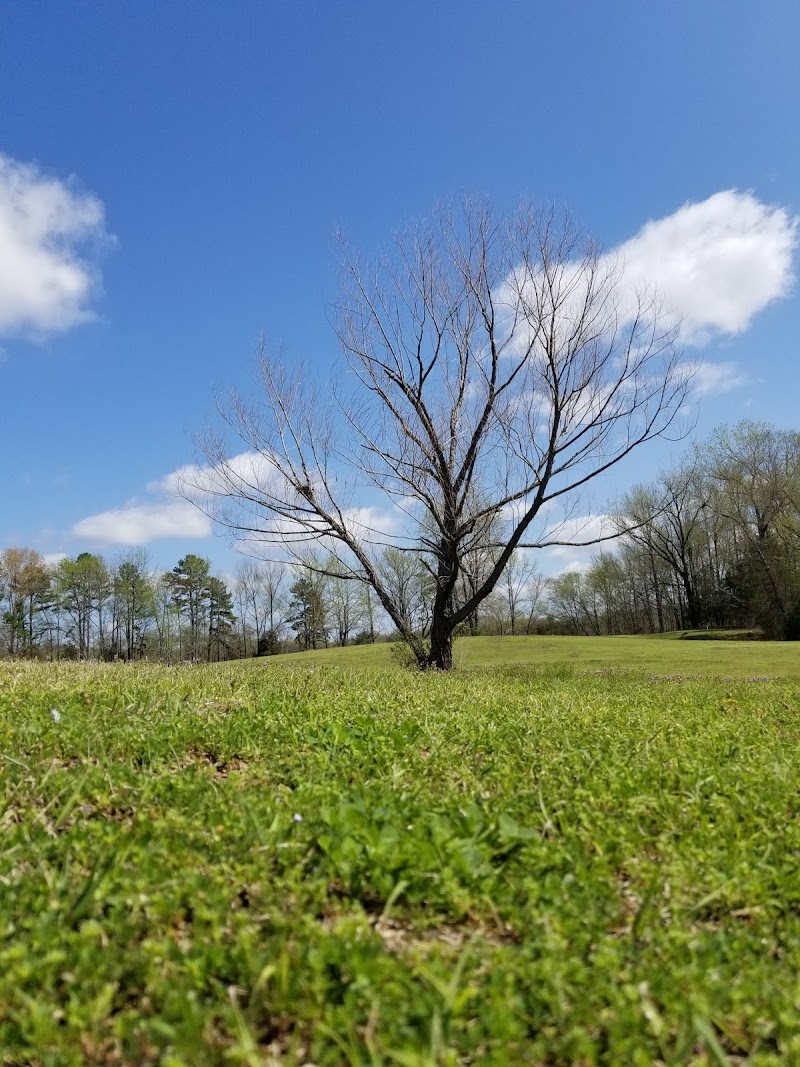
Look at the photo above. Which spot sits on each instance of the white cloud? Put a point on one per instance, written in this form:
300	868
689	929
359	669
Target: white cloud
365	521
712	266
715	264
246	470
52	558
140	523
49	230
580	529
166	515
717	378
254	474
170	515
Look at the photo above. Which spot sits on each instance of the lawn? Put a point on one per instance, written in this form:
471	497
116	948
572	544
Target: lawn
262	863
663	654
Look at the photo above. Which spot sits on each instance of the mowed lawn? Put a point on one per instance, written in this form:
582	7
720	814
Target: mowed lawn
663	654
263	863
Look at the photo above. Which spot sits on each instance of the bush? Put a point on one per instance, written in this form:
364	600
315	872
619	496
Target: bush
403	655
268	644
364	637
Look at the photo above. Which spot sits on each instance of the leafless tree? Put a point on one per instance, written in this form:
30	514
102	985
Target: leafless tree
257	589
406	580
245	590
521	583
537	584
345	604
271	582
668	519
514	601
492	367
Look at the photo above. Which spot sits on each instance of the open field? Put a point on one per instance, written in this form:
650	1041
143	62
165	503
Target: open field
261	863
660	653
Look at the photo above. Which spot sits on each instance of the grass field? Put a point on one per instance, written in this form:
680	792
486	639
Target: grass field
263	863
661	654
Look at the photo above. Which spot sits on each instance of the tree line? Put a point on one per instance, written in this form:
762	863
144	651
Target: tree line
711	542
88	607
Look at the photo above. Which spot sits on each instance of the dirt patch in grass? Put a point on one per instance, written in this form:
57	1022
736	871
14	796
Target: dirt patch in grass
222	766
402	937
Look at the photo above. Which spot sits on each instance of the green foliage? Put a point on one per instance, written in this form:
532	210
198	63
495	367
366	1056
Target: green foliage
792	625
269	644
135	595
364	637
221	618
247	863
712	542
206	606
403	655
307	614
189	582
82	587
25	589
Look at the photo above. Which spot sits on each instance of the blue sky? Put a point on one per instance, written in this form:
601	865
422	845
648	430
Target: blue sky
179	169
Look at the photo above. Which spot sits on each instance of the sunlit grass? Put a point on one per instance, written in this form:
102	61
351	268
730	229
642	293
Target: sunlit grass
258	863
660	653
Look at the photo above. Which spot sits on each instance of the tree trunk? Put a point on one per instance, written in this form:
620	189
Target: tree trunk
440	656
657	590
692	606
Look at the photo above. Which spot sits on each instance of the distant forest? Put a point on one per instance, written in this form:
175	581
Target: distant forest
712	543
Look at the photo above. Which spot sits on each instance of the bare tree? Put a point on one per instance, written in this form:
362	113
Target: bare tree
520	588
668	519
493	366
24	587
345	603
518	578
754	479
270	585
537	584
244	589
405	579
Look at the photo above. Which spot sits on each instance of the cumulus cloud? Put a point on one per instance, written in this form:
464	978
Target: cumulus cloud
253	475
715	264
246	471
169	514
50	232
711	267
717	378
578	563
371	520
138	523
578	529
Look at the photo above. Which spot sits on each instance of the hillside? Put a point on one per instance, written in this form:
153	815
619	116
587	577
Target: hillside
662	654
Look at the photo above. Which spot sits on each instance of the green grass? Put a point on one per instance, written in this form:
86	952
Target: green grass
255	864
659	653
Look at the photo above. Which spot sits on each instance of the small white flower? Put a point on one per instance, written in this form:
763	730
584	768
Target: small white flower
56	714
297	818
